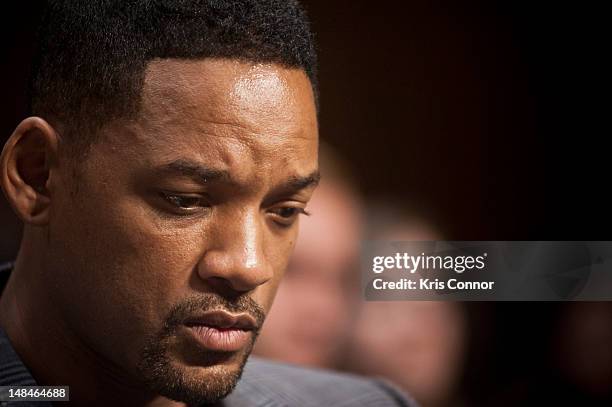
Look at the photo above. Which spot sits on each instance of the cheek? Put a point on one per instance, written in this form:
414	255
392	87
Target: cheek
116	252
265	294
153	257
282	249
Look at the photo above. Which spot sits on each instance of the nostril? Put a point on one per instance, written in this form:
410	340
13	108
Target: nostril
224	287
219	283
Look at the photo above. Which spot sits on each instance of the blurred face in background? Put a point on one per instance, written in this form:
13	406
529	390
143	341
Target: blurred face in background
418	345
313	308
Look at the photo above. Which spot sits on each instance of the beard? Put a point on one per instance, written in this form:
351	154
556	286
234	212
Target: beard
202	378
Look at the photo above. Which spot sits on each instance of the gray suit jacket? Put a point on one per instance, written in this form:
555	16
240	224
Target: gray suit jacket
271	384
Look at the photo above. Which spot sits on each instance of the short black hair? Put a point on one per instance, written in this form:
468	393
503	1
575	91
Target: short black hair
92	54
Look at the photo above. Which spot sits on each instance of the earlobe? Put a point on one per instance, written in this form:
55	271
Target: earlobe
26	162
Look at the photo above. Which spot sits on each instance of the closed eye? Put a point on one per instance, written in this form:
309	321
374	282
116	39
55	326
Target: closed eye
287	215
184	203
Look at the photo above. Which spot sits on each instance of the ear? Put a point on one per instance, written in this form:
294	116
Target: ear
25	164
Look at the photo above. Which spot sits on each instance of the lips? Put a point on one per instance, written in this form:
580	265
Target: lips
222	331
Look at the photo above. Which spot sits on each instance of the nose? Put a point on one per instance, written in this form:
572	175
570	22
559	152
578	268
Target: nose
237	259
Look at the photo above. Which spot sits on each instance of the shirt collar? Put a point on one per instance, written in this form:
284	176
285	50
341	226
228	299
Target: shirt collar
12	370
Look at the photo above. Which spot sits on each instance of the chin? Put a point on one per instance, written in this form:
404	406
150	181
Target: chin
203	377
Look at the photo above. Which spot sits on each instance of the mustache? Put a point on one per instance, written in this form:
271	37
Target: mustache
193	306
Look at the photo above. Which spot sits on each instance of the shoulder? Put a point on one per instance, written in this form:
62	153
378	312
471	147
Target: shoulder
277	384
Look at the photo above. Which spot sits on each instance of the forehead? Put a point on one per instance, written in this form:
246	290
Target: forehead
225	110
259	97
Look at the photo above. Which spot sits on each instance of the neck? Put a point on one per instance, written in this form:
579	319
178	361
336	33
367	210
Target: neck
50	349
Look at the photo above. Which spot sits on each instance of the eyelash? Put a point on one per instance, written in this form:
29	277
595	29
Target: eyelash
182	210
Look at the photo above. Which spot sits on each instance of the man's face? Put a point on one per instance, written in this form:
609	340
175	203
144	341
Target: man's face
167	247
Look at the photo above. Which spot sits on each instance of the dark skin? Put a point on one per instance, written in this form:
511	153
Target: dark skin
199	194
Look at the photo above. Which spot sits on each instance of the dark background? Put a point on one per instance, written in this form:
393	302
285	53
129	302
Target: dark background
484	115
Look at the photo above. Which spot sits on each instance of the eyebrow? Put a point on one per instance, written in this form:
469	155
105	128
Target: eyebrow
293	186
195	170
299	183
205	175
